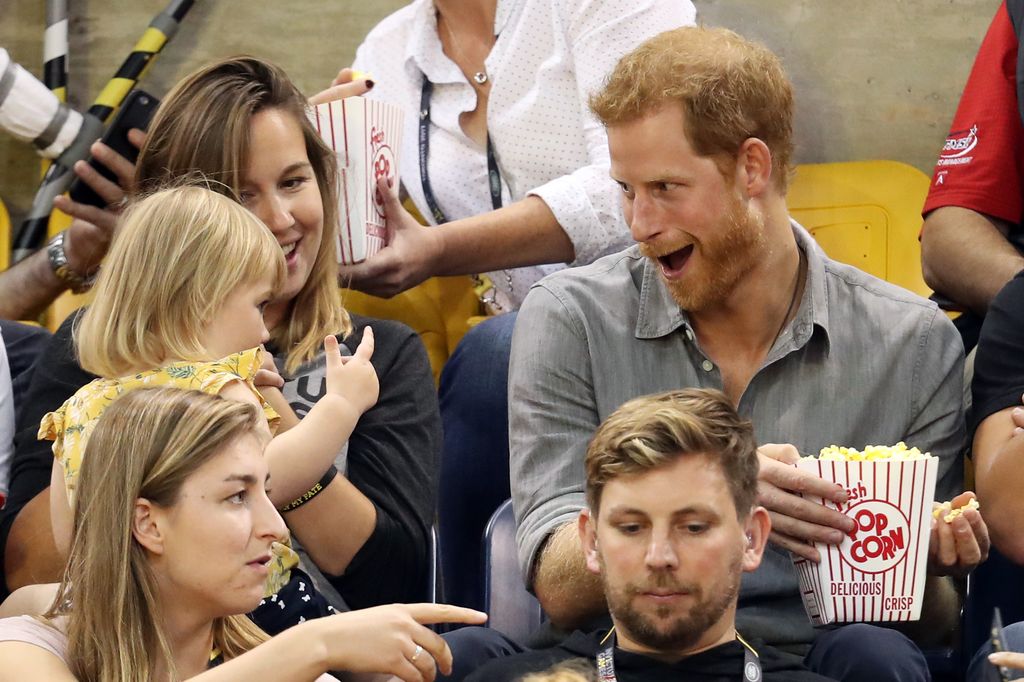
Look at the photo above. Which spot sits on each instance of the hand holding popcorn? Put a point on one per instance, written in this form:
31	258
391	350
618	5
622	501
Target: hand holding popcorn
959	537
797	522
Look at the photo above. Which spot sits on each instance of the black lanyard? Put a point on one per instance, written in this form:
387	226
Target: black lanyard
493	174
606	661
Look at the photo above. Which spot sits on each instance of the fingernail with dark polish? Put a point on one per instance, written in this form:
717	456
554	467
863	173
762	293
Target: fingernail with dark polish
369	84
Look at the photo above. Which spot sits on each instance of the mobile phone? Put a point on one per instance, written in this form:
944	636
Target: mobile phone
998	641
135	112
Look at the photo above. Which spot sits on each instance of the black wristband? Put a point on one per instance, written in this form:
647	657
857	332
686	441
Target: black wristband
317	488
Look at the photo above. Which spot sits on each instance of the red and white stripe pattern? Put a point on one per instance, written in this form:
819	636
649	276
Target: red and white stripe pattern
365	135
878	572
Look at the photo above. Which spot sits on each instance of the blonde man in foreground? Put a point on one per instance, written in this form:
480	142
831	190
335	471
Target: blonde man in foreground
670	527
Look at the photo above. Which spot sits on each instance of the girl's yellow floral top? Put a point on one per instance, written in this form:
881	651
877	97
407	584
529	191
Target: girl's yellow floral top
69	426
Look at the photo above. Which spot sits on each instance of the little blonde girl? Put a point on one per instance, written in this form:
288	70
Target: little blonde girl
180	302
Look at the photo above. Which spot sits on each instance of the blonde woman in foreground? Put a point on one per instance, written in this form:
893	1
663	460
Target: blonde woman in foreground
183	475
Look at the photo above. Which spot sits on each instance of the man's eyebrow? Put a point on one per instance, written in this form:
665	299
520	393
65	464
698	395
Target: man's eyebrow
683	511
701	509
626	511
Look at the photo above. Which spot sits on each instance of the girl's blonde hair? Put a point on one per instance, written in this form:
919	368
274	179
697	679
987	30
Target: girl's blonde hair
178	254
151	441
203	125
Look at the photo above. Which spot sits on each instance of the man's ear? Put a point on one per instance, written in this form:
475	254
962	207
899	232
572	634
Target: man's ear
753	167
146	526
758	526
587	526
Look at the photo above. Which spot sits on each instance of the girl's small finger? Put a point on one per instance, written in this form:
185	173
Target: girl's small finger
365	349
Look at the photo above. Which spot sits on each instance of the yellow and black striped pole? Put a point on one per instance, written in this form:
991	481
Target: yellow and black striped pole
55	49
55	54
32	232
160	30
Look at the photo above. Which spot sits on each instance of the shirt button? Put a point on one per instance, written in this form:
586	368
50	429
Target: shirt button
689	334
707	365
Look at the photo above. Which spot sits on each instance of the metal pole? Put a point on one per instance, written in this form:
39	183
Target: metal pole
55	54
32	232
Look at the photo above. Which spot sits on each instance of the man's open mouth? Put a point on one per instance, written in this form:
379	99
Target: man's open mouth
672	264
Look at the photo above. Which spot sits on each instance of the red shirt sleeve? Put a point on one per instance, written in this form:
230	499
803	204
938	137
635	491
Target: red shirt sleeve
980	165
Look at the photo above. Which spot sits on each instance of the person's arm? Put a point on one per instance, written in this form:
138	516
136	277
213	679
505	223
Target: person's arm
937	426
376	640
352	388
998	470
61	520
575	217
21	661
976	189
29	553
521	234
998	445
380	640
966	256
393	461
569	593
553	413
29	287
31	600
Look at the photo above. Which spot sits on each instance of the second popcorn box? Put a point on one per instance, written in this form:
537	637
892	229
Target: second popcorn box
366	136
877	574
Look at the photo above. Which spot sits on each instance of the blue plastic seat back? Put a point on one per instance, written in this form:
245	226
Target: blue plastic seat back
512	610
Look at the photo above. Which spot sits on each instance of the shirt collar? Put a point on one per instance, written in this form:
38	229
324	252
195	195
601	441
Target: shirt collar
660	315
424	52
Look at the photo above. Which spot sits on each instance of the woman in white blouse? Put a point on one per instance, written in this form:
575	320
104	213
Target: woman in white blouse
501	155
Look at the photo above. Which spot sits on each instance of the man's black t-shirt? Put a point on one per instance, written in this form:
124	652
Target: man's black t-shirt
999	365
723	663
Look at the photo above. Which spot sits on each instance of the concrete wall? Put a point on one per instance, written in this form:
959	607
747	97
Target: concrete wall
874	79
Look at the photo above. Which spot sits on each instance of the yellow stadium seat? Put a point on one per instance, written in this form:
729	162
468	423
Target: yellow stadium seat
866	214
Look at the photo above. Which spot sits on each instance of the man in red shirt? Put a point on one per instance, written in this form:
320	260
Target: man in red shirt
971	242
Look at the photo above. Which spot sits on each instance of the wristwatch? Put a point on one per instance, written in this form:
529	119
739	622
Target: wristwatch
77	282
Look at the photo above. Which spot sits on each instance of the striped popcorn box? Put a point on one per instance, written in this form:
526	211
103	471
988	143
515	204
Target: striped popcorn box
878	572
366	136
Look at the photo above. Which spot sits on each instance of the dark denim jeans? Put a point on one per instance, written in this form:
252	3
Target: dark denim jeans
860	652
474	463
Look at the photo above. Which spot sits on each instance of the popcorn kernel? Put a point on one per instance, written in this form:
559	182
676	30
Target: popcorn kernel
948	513
872	453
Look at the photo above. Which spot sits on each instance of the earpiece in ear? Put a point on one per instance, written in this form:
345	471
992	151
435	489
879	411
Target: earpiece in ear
750	540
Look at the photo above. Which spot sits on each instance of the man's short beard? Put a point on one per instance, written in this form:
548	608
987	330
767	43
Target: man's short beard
682	633
725	257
